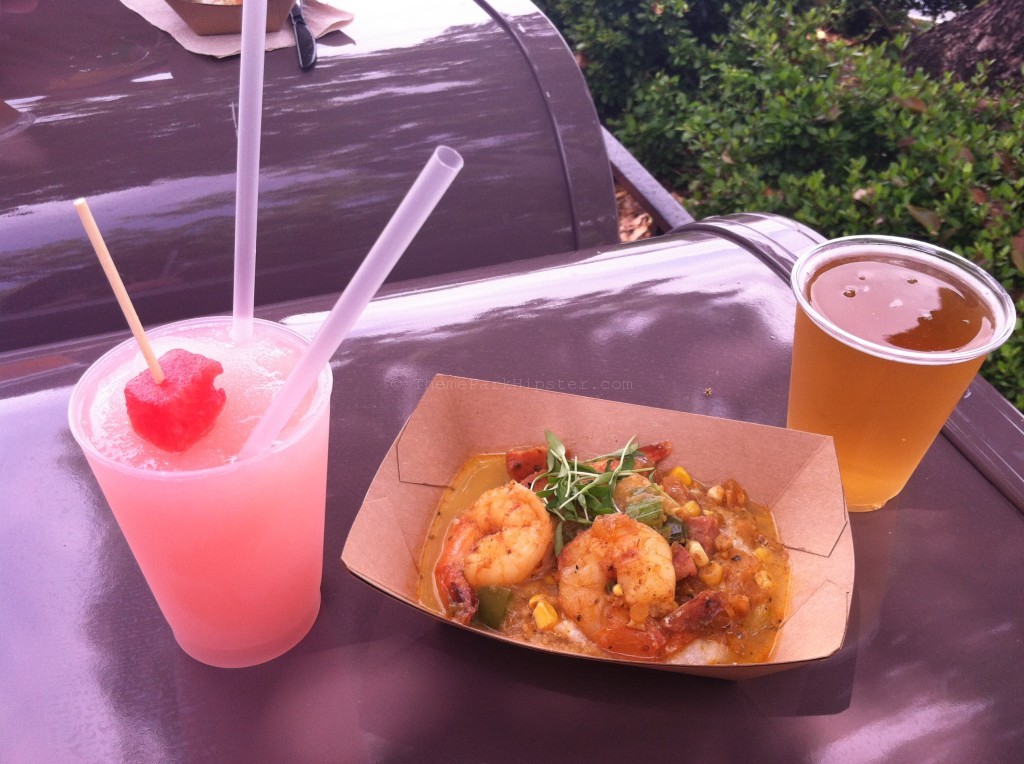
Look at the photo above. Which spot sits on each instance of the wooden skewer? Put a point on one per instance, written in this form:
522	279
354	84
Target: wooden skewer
93	231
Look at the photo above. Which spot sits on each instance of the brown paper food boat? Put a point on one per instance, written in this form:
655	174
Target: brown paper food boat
211	18
794	473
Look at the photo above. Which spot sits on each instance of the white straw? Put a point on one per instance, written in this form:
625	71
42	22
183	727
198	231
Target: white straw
247	178
410	216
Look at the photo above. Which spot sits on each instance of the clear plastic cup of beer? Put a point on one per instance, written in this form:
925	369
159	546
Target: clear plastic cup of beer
889	334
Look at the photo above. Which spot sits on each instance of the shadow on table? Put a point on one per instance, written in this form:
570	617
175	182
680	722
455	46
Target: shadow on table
826	688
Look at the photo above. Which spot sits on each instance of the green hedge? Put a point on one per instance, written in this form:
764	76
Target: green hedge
776	114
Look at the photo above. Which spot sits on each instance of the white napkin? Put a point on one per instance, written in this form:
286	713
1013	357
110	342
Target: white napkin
321	18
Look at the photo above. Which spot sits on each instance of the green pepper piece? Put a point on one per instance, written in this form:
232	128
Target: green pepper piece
493	604
647	511
673	530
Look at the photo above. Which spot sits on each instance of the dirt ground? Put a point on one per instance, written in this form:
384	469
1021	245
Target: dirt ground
992	32
634	222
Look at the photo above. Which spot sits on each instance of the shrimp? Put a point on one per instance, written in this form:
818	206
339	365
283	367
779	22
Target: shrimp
620	619
498	541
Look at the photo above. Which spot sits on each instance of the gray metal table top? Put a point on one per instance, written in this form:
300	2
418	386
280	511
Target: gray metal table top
930	669
110	108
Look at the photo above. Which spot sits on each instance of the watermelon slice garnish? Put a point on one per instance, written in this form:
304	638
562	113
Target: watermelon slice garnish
176	413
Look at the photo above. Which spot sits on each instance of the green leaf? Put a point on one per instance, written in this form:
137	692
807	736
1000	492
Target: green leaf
555	447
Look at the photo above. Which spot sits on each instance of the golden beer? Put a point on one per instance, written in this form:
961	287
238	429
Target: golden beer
889	334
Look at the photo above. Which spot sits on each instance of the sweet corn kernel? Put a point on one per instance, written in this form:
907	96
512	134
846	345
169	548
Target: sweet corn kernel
762	579
617	590
544	615
700	557
638	615
549	579
716	493
711	574
691	509
536	599
762	554
682	476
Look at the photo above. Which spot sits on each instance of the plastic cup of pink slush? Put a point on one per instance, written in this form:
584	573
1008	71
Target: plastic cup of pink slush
231	548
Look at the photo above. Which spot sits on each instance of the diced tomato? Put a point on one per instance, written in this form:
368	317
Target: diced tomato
645	457
523	463
656	451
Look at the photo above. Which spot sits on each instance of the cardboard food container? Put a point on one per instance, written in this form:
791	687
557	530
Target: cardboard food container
795	474
207	18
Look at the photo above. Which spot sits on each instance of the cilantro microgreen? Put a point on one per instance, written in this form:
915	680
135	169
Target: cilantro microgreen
576	492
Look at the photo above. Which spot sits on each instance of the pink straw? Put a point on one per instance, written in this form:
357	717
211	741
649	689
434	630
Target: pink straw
247	179
412	213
